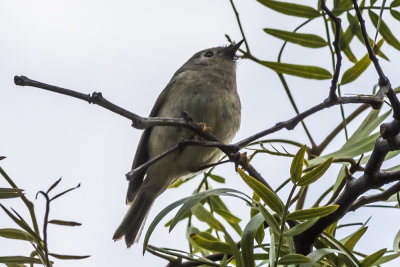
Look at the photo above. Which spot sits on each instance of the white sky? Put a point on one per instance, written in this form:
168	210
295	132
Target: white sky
128	50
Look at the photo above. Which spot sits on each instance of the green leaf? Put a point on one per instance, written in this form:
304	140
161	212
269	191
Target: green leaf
387	258
10	193
303	39
21	223
312	213
16	234
221	209
396	242
354	72
270	219
68	257
362	146
308	72
318	254
19	259
235	250
272	251
384	30
205	216
290	259
374	257
331	229
268	196
229	217
172	206
370	123
350	258
291	9
301	227
193	200
65	223
296	168
395	3
315	173
340	6
247	242
353	239
395	14
211	245
217	178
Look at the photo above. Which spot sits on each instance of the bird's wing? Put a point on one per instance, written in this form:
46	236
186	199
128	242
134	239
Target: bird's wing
142	152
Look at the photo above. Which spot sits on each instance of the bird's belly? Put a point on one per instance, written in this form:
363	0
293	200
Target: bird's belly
220	111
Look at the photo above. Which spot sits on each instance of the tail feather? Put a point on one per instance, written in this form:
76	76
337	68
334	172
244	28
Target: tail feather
133	222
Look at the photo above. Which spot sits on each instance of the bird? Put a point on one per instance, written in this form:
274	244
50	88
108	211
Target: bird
205	89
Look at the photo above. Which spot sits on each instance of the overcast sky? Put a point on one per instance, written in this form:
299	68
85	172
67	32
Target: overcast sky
129	50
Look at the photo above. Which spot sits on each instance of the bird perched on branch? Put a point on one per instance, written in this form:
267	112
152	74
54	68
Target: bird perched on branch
204	88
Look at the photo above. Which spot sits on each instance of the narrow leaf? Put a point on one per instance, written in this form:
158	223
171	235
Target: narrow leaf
193	200
292	259
384	30
211	245
19	259
395	3
68	257
296	168
387	258
10	193
291	9
395	14
308	72
354	72
312	213
350	258
374	257
268	196
16	234
205	216
396	242
315	173
221	209
247	242
301	227
318	254
217	178
303	39
351	242
65	223
270	219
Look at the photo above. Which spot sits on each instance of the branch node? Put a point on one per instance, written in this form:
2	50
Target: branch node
95	97
20	80
383	82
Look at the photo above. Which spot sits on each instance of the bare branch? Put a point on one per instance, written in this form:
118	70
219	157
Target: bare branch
338	22
385	195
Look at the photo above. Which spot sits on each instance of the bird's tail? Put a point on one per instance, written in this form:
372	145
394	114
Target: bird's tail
133	222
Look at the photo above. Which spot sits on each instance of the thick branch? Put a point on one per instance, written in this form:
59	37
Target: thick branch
354	188
385	195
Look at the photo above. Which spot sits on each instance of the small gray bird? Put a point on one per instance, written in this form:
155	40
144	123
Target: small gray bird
205	88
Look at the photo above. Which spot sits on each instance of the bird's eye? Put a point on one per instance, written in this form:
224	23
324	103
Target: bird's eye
209	54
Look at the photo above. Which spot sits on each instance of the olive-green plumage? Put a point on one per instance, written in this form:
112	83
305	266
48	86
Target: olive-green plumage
205	88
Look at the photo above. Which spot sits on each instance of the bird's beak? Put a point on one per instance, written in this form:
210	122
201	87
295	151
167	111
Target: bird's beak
230	51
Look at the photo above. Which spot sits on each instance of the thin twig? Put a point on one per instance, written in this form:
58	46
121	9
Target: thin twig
332	91
240	26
